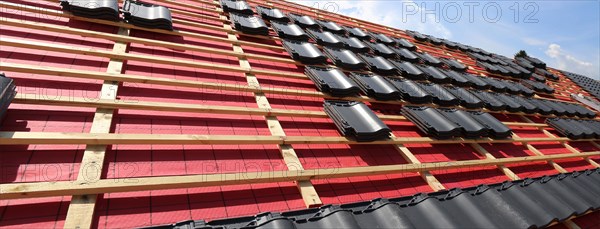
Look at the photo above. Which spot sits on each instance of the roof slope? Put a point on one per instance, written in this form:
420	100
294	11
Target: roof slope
184	106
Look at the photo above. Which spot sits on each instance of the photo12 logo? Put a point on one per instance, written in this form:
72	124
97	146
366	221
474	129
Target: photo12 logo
453	12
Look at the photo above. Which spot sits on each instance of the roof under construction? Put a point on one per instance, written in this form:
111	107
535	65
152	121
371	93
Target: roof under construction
270	114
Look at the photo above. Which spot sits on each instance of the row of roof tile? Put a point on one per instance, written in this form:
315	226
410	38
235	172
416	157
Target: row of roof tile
447	123
336	83
576	129
528	203
134	12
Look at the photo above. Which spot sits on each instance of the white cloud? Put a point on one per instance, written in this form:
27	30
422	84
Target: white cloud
385	13
554	51
566	61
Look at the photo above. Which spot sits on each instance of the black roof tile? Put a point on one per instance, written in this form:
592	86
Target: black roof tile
502	70
331	27
429	59
434	40
470	127
241	7
332	81
440	95
542	108
105	10
379	64
467	99
524	63
406	55
416	35
489	67
490	100
248	24
525	73
272	14
304	21
462	47
432	122
527	106
546	74
538	78
495	84
354	44
410	71
538	86
435	75
593	125
481	51
511	87
458	78
411	91
382	38
498	61
381	50
403	43
515	73
525	91
588	132
356	120
304	52
569	110
497	129
289	31
376	86
454	64
536	62
581	111
557	109
477	82
450	44
345	59
511	104
7	94
358	33
325	38
147	15
478	57
569	128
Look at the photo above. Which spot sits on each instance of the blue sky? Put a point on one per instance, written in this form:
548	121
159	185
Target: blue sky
564	34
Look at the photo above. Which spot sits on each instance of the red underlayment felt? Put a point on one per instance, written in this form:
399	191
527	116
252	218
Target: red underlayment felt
36	163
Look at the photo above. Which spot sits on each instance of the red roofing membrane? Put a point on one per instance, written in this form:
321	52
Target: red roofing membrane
31	163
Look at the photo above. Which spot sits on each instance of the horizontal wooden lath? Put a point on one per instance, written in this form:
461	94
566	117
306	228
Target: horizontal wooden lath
193	108
183	83
32	138
121	38
57	13
30	44
64	188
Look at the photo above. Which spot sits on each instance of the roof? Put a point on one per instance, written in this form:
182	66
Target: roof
115	124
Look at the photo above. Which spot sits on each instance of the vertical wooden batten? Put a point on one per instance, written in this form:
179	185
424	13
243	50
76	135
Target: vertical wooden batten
81	209
307	190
